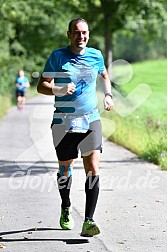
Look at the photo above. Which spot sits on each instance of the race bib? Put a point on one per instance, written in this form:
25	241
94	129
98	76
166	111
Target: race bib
77	124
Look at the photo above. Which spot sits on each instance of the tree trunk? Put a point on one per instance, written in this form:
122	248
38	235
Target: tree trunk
108	34
108	44
108	50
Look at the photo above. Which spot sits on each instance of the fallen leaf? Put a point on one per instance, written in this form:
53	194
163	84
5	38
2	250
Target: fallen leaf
121	242
2	246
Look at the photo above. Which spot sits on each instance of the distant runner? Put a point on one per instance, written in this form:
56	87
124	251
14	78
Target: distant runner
22	83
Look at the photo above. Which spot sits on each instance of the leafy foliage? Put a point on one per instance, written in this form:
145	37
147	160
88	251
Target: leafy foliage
30	30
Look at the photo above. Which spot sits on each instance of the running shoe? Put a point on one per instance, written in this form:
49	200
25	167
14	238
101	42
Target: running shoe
20	108
90	228
66	220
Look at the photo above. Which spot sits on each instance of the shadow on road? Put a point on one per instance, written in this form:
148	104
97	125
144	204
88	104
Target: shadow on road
31	230
7	168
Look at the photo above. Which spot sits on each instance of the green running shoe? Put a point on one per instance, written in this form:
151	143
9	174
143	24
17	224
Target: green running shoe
66	220
90	228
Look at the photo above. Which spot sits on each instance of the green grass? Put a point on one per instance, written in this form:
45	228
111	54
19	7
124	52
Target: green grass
7	101
144	131
5	104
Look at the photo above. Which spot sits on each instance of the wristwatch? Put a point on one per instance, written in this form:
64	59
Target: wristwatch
109	94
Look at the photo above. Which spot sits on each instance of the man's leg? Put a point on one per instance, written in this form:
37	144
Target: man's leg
66	151
19	100
91	165
23	100
64	179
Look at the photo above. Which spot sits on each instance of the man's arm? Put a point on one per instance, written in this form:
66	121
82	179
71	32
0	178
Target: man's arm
108	102
27	84
17	85
46	87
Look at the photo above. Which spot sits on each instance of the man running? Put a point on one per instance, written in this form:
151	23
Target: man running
22	83
76	121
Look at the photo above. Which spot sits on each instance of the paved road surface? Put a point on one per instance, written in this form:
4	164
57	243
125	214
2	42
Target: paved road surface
132	206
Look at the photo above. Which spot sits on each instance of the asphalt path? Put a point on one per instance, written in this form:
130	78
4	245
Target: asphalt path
132	206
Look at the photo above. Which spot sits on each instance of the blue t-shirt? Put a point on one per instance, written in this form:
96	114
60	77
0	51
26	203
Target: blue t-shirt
21	82
65	67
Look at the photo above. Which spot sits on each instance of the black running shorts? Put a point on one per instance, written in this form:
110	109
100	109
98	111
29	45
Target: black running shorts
20	93
67	145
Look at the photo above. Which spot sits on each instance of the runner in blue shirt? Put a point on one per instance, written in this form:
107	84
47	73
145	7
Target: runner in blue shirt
22	83
76	121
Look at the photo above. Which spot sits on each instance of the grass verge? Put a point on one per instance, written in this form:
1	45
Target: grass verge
144	129
7	101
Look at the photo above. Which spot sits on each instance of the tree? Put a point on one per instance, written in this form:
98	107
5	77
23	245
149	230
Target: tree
32	27
109	16
30	30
